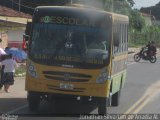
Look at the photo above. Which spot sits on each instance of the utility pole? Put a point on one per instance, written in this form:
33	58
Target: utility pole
12	4
112	6
19	5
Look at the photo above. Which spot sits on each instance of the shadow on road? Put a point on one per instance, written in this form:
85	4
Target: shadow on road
19	106
10	104
64	108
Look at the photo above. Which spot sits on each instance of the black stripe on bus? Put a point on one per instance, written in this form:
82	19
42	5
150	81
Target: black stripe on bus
63	73
63	79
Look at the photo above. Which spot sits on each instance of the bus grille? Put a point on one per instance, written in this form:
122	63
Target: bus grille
59	89
67	76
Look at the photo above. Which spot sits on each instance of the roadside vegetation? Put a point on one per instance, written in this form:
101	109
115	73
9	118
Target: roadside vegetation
140	33
21	70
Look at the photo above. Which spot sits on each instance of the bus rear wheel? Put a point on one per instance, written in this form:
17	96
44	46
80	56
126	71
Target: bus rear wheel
102	106
33	100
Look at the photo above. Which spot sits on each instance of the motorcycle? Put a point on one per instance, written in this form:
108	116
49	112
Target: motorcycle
144	56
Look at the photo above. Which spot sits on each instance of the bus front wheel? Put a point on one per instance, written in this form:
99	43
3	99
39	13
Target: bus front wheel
116	98
102	106
33	100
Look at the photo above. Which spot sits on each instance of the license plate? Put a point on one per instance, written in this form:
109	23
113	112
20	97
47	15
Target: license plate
66	86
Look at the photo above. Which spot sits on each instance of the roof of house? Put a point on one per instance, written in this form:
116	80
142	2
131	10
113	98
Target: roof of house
4	11
148	15
9	15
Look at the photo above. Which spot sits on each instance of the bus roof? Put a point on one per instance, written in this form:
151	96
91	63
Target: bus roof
79	7
76	6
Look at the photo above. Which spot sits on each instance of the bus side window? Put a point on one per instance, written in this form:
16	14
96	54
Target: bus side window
116	43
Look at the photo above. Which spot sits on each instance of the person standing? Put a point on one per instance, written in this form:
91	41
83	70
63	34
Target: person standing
1	76
9	69
2	57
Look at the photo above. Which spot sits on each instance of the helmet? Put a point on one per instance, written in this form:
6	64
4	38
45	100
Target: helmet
149	42
152	42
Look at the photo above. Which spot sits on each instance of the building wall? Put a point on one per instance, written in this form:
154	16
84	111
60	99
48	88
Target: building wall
15	38
4	37
148	20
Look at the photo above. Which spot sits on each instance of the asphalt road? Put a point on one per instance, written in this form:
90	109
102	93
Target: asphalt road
140	95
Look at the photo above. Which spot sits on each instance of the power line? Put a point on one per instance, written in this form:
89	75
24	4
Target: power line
30	3
20	4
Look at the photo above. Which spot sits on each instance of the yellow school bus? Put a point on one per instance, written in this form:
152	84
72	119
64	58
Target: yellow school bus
76	53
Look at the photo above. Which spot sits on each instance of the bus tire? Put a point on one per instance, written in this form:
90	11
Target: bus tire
33	101
102	106
116	99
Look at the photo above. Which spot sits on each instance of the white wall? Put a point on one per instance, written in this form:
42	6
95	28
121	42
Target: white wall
15	35
4	37
15	38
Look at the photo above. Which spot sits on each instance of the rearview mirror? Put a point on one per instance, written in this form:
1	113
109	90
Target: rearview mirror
26	37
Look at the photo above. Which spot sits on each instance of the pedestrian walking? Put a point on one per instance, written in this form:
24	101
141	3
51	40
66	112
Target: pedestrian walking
8	73
1	76
2	57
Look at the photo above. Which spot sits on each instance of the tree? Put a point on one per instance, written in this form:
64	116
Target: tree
119	6
131	2
136	21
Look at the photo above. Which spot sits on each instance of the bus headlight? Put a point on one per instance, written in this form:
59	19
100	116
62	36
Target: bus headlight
33	74
32	70
102	77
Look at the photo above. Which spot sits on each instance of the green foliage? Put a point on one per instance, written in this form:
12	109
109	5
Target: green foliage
149	33
136	21
21	70
118	6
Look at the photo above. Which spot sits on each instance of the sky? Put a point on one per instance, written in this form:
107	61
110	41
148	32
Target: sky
145	3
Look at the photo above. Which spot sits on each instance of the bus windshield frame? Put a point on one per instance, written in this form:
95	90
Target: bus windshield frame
55	42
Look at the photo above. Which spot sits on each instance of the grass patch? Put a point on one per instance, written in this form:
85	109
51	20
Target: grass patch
20	71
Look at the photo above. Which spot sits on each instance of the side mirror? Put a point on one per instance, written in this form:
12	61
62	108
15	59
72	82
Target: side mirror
25	42
116	39
26	37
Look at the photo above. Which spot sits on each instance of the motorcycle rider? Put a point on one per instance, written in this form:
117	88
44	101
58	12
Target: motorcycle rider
144	50
147	53
151	48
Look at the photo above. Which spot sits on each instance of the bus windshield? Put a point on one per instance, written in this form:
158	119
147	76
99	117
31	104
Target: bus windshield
69	45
